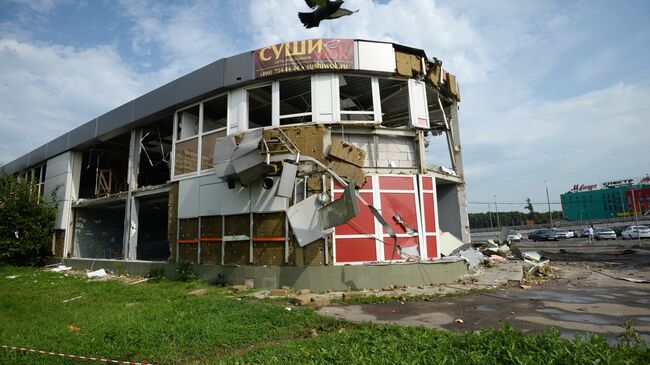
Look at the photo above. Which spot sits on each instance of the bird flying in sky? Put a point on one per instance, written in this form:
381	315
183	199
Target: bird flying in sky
323	9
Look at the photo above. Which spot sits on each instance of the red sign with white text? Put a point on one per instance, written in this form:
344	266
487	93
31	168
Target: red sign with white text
305	55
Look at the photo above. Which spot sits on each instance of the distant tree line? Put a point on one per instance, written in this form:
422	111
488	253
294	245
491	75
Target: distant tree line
482	220
512	218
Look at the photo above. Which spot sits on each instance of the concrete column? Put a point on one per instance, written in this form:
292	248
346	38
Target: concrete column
131	208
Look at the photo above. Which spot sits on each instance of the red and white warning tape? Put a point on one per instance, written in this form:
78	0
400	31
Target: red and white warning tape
37	351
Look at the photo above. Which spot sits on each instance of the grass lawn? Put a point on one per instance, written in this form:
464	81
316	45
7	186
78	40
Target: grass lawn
158	322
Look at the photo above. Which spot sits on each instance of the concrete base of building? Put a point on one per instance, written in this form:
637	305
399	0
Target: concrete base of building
317	278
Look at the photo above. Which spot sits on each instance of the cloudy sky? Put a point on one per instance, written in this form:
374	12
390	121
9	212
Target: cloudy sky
553	91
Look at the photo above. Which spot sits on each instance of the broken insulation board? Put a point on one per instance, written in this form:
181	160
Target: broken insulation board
269	239
347	152
188	240
237	252
211	239
350	172
172	217
407	64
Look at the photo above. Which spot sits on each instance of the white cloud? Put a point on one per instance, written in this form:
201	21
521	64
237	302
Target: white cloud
47	90
594	137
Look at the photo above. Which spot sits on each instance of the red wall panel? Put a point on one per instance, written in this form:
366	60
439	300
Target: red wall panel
355	249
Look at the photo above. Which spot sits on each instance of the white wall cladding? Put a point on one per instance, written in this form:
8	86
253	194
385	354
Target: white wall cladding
325	96
59	177
375	56
188	198
237	111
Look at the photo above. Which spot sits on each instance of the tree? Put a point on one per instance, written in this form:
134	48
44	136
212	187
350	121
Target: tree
529	206
26	223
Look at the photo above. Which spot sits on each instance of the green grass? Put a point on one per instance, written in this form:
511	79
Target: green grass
405	297
156	321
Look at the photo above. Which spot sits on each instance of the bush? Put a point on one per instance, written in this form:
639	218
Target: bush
26	223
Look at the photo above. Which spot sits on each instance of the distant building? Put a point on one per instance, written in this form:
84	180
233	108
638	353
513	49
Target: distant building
610	199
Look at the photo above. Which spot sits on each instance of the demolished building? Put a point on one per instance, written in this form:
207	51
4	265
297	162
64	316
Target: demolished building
300	154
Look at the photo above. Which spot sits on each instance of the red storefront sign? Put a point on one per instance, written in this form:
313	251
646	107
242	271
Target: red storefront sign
305	55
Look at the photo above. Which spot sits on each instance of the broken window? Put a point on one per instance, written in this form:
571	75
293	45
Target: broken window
295	100
104	168
187	141
152	229
259	107
394	97
99	231
215	113
186	156
188	123
36	176
155	152
355	95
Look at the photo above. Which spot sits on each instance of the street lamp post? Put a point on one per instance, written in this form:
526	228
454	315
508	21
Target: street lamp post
636	219
548	201
496	209
490	212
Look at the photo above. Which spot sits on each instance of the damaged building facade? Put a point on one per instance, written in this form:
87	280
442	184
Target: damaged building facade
299	154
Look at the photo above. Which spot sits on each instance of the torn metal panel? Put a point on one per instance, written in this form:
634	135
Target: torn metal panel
287	180
223	150
341	210
305	220
246	160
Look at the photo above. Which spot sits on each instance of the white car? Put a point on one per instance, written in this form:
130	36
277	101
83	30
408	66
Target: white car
514	236
563	233
631	232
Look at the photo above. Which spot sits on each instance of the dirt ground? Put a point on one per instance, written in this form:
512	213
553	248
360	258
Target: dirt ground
592	289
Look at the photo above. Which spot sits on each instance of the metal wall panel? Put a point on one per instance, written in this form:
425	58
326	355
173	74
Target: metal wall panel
238	69
188	198
116	118
375	56
58	145
202	81
266	200
20	163
38	155
58	165
218	199
51	185
159	99
63	212
82	134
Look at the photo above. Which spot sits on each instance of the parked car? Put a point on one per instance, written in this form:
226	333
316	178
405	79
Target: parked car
635	232
604	234
514	236
563	233
618	230
543	235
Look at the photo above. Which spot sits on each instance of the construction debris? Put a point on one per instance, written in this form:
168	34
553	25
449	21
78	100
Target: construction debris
101	273
61	268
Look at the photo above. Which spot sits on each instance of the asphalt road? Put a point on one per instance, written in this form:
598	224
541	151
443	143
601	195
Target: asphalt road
594	291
